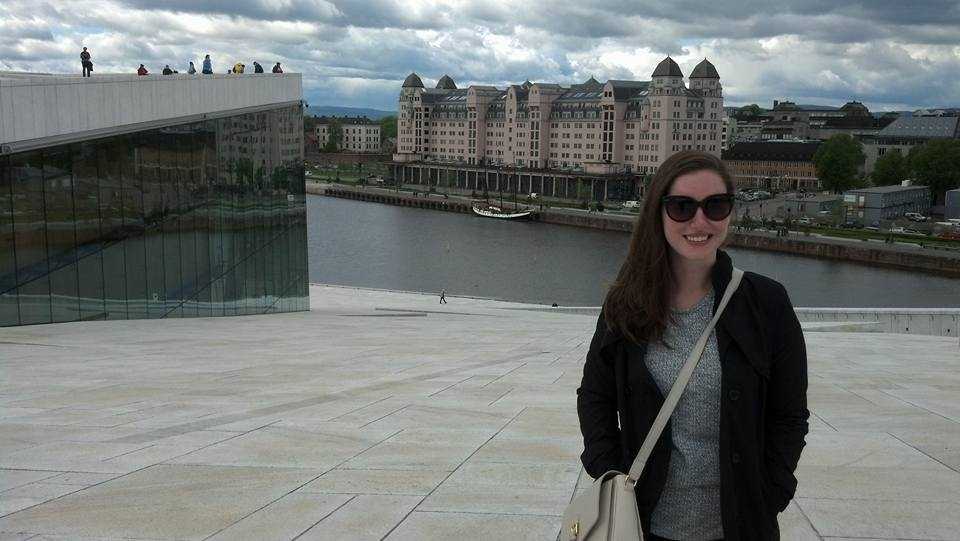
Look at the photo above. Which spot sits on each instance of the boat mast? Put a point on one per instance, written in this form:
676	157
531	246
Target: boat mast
499	187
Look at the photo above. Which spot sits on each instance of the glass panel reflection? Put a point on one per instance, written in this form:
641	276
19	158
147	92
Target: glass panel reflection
199	219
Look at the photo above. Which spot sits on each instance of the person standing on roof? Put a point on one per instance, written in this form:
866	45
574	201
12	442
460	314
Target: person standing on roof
85	62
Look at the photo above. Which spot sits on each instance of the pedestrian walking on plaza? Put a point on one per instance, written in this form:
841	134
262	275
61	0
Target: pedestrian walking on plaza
443	296
85	63
192	70
257	68
142	70
276	68
724	466
207	66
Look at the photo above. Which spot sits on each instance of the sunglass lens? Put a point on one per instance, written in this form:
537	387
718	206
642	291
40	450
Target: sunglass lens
717	208
681	210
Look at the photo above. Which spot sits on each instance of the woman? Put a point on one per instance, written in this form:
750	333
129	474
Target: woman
192	70
723	468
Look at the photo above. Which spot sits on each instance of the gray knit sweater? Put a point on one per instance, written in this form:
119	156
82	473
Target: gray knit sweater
689	507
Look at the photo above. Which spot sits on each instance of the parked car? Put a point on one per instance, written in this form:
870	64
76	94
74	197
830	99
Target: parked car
631	204
804	221
915	217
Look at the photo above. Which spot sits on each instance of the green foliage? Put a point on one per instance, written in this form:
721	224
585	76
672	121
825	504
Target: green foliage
336	137
388	127
937	164
891	169
749	111
838	161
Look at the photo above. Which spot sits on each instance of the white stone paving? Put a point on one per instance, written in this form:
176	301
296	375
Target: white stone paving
385	415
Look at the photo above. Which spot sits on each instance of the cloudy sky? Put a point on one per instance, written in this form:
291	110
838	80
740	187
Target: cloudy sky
890	54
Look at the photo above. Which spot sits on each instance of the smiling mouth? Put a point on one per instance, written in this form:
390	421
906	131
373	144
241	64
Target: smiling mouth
698	239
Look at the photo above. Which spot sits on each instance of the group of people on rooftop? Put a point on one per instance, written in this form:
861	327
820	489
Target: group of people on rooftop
86	63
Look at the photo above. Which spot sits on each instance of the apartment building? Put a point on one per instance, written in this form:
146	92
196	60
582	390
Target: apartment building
358	134
613	128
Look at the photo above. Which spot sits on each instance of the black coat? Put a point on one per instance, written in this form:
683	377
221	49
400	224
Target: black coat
763	412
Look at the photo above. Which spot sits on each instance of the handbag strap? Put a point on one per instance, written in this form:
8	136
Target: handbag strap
670	403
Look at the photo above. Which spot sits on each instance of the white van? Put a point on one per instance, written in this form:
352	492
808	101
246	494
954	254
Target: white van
631	204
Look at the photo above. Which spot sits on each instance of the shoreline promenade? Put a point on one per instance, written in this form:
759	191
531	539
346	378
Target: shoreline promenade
385	415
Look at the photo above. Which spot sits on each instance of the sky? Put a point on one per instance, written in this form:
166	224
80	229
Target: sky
888	54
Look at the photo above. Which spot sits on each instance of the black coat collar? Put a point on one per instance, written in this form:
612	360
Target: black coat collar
733	323
740	322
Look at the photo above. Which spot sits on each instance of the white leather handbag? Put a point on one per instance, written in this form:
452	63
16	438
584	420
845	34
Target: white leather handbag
607	511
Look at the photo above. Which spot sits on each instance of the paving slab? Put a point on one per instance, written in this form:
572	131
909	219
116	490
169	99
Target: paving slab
160	502
391	482
428	526
363	518
285	518
883	519
428	427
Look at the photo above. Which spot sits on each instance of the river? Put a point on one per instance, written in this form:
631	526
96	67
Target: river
382	246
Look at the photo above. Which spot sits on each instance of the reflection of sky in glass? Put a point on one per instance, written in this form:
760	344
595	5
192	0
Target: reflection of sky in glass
372	245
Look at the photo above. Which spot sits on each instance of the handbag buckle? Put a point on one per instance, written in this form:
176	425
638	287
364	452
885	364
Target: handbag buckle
632	483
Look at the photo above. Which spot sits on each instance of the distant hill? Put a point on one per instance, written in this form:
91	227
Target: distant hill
333	110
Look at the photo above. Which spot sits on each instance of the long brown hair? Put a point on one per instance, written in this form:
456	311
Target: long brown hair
638	303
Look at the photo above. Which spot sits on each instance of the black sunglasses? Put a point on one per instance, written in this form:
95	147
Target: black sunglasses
681	208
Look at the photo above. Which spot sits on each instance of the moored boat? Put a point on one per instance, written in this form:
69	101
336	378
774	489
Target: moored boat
490	211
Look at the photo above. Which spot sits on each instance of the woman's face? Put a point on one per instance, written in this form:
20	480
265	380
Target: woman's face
698	239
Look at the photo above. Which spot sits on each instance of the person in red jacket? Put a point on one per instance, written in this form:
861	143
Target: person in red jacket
142	70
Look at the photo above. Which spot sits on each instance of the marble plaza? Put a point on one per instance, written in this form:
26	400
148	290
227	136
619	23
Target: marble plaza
383	415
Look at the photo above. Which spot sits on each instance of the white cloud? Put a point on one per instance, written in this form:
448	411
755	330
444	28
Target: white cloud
356	52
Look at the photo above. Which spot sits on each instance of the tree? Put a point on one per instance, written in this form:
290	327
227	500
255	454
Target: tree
335	138
937	164
891	168
838	161
749	111
388	127
310	123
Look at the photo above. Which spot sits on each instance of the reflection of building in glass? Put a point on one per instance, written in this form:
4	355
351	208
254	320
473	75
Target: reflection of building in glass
197	218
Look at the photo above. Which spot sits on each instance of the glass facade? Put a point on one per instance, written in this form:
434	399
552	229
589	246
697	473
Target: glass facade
199	219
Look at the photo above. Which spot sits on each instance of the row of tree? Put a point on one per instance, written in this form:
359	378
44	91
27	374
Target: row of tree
935	164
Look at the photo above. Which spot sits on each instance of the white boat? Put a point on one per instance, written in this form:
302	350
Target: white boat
490	211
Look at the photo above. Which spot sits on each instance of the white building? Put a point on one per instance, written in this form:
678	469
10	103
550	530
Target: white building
358	134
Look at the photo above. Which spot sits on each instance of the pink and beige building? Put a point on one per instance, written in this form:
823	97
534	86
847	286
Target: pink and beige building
544	132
